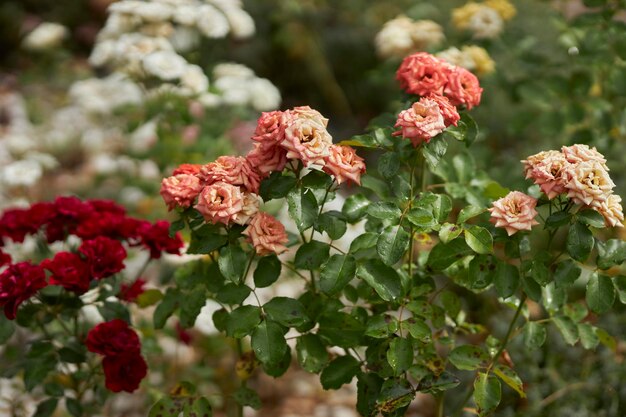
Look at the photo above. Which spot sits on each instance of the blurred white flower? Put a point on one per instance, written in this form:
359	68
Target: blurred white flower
194	79
211	22
149	170
144	137
166	65
45	160
264	95
104	164
117	24
209	100
102	53
486	23
227	69
402	36
18	144
186	15
45	36
102	96
131	196
153	12
241	23
23	173
455	56
184	39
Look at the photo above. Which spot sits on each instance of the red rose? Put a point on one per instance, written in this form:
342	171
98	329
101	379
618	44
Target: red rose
156	237
18	283
15	224
106	206
69	271
131	292
5	258
124	372
183	335
69	213
104	255
113	338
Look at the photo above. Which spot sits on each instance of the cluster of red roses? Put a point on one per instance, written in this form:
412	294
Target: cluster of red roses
442	87
102	225
227	190
123	365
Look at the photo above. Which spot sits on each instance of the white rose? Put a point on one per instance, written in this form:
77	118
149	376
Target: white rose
165	65
194	79
211	22
485	23
24	173
186	15
154	12
45	36
102	53
230	69
264	95
241	23
184	39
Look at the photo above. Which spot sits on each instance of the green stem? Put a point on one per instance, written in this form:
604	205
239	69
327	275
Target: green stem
505	341
245	274
439	404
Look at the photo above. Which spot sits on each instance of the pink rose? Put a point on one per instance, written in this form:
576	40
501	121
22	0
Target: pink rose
423	74
234	170
192	169
514	212
344	164
306	137
588	183
267	158
180	190
549	173
266	234
532	161
421	122
220	202
580	153
463	88
611	209
271	127
448	111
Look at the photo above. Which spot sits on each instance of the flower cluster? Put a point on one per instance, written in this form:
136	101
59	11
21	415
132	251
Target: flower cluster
580	172
402	36
442	87
485	19
123	365
226	191
471	57
102	226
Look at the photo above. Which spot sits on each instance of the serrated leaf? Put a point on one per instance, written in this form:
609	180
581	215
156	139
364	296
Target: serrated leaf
400	355
311	352
469	212
276	186
487	393
479	239
268	342
267	271
510	377
311	255
421	218
392	244
506	279
232	263
242	321
303	208
534	335
591	218
382	278
579	242
384	210
449	232
600	293
286	311
468	357
355	207
336	273
568	329
247	397
338	372
445	254
566	273
588	337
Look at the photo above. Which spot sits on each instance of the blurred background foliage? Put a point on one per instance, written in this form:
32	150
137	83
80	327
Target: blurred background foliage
560	79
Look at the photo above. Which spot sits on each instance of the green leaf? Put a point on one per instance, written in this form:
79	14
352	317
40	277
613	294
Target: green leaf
341	329
468	357
149	298
534	335
418	329
618	281
435	384
566	273
568	329
233	294
338	372
368	389
191	307
579	242
591	218
46	408
434	151
382	278
206	243
268	342
588	337
276	186
445	254
421	218
479	239
311	255
200	408
247	397
481	272
286	311
506	279
111	311
540	273
384	210
316	180
311	352
487	393
267	271
392	244
73	407
242	321
336	273
558	219
388	164
400	355
469	212
600	293
72	354
365	241
449	232
611	253
165	308
302	208
332	223
381	326
232	263
7	328
355	207
510	377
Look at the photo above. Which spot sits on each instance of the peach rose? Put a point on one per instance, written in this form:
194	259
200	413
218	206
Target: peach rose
267	157
532	161
448	111
423	74
611	209
514	212
192	169
220	203
344	164
251	203
306	137
463	88
266	234
271	127
580	153
180	190
550	174
588	183
235	170
421	122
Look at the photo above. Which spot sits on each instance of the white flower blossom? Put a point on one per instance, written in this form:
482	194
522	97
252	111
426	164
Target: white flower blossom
211	22
486	23
166	65
45	36
264	95
22	173
194	79
102	96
